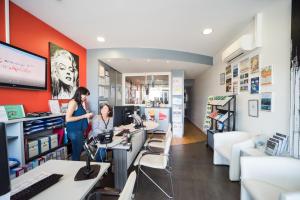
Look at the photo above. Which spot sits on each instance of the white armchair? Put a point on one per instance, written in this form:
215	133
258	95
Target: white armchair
227	147
270	178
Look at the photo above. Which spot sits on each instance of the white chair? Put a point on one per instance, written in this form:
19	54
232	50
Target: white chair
270	178
156	161
227	147
126	194
158	142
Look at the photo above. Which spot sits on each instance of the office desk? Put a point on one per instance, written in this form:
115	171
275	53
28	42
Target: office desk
66	188
123	156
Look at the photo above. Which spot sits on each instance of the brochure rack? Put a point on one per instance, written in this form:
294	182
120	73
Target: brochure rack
223	111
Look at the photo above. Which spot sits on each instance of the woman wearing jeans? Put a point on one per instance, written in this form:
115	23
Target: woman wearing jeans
77	120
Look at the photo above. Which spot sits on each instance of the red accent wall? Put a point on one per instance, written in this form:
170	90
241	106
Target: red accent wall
30	33
2	20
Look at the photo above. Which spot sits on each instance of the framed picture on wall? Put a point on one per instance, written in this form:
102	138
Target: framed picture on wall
64	72
253	107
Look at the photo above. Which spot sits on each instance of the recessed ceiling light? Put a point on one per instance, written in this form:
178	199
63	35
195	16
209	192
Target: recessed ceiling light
207	31
148	60
101	39
167	61
108	60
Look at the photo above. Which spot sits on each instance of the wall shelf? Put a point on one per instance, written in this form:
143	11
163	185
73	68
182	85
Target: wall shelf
45	153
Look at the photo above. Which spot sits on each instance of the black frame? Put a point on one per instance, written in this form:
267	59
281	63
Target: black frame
26	86
257	107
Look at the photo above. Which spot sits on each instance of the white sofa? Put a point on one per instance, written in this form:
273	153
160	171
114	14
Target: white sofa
270	178
227	147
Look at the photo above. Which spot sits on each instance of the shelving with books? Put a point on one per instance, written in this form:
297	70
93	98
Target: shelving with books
222	116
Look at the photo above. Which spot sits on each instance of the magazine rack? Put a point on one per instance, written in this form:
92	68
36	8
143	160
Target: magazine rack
223	111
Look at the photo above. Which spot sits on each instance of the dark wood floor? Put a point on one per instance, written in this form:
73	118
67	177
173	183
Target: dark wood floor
194	176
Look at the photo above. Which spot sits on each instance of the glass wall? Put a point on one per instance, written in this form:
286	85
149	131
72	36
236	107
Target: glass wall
149	89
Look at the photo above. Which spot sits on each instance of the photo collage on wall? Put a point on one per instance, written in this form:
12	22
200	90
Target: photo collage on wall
244	75
235	79
248	76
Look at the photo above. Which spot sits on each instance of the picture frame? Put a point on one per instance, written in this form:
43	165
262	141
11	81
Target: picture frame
253	107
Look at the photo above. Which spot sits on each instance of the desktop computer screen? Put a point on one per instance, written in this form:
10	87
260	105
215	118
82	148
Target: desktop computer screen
123	115
4	170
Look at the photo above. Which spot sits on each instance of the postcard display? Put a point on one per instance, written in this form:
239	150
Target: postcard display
177	102
222	116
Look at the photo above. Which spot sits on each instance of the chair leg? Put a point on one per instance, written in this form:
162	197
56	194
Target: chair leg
137	180
171	182
170	197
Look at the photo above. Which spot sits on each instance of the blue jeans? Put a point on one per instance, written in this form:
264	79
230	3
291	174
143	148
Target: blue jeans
76	138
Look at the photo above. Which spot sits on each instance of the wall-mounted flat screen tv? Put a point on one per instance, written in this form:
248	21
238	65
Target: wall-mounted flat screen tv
22	69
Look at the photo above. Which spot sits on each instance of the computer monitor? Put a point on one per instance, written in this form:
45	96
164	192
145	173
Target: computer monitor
118	115
4	169
123	115
128	111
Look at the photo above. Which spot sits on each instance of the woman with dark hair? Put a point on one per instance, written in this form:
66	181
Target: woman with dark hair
103	123
77	120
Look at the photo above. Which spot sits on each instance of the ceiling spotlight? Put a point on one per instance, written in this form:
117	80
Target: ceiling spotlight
207	31
101	39
108	60
167	61
148	60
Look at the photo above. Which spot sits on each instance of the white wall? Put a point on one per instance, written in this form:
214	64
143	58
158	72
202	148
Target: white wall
276	52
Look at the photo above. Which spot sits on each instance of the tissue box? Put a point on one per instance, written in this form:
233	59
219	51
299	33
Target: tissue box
53	141
33	148
43	144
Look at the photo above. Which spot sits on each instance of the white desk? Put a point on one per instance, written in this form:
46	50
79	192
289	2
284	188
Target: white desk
66	188
253	152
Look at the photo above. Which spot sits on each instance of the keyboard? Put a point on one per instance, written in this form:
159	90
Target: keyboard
45	182
121	133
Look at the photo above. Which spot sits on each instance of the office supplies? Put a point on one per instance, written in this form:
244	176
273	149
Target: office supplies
29	189
53	141
106	137
43	144
33	148
54	106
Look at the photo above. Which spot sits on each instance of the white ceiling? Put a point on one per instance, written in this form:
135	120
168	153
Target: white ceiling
143	65
163	24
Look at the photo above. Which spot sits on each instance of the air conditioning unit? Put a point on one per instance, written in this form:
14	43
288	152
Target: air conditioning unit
246	43
238	48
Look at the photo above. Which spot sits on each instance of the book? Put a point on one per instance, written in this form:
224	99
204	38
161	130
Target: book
224	117
271	148
278	145
213	114
284	141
